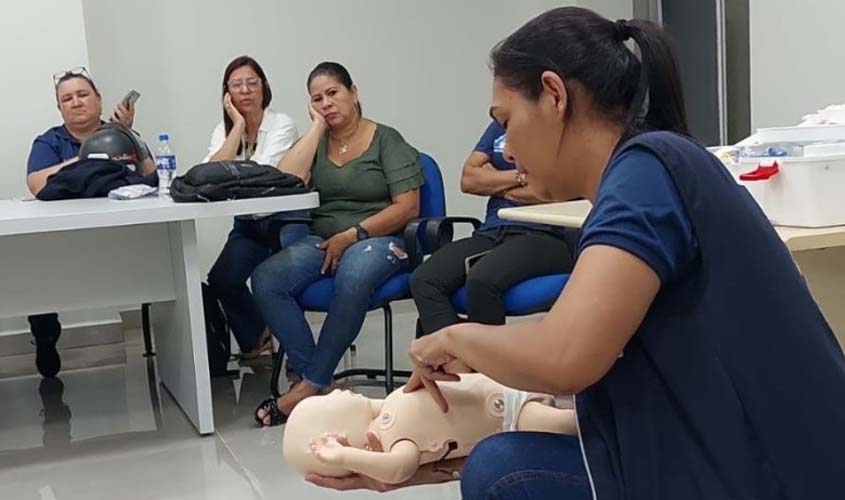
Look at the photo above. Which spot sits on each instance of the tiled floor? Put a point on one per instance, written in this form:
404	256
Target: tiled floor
112	432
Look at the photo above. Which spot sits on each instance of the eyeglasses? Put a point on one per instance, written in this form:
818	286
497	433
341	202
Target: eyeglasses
77	71
251	84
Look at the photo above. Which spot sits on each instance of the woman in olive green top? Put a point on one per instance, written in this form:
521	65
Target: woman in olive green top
368	178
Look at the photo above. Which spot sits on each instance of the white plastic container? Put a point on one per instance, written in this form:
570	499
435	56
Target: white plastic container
805	191
805	134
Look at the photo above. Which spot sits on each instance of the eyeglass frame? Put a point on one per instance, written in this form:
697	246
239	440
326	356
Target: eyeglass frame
241	83
76	71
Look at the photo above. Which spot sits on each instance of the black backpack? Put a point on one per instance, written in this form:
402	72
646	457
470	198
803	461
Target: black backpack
217	336
234	180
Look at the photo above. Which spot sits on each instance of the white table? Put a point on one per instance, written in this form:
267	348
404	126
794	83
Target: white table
79	254
818	252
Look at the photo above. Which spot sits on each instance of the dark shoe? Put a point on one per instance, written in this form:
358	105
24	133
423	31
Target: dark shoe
277	416
47	358
266	347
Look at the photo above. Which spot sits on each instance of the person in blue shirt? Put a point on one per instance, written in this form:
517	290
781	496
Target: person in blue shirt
80	105
502	253
697	372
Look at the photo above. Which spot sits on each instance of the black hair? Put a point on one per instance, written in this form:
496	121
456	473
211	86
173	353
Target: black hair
266	93
336	71
580	45
70	76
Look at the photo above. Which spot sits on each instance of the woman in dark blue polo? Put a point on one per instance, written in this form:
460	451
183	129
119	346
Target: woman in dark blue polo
702	368
81	106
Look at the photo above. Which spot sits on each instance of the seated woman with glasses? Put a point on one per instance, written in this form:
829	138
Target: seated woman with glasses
250	130
368	178
81	106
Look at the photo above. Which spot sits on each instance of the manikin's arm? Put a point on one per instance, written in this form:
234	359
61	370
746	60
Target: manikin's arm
392	467
538	417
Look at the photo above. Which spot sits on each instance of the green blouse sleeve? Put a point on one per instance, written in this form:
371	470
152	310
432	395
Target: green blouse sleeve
401	163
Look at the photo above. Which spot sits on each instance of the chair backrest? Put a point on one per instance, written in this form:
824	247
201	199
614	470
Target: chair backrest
432	193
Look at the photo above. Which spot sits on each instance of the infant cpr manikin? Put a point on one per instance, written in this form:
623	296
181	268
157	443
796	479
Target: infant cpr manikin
411	427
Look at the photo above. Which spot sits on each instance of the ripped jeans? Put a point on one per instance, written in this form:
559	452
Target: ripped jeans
279	280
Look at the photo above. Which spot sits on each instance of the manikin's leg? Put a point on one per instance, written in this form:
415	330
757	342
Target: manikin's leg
529	411
539	417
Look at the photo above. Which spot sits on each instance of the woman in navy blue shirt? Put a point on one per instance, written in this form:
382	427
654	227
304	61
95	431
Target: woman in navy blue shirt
499	255
698	372
81	105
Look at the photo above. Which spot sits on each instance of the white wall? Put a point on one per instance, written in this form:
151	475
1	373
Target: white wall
612	9
37	38
796	59
421	66
31	57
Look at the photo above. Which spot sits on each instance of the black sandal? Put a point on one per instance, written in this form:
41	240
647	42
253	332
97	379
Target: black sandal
277	416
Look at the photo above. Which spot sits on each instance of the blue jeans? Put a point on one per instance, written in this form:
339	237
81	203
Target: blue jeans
248	245
526	465
279	280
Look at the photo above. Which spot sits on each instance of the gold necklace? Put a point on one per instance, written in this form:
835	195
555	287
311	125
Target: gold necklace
343	148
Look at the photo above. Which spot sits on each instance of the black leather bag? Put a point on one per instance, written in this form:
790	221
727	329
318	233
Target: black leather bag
234	180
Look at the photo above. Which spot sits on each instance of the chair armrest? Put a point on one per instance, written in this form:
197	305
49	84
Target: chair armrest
413	246
435	232
439	231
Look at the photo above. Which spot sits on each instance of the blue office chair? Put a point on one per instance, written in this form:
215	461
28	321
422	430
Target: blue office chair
317	297
531	296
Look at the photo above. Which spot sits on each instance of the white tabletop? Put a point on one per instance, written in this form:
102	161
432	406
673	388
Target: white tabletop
566	214
573	214
26	217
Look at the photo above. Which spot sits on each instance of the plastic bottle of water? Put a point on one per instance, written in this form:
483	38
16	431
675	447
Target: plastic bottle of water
165	165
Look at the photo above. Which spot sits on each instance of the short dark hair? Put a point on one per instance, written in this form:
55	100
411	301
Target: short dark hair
578	44
334	70
70	76
267	94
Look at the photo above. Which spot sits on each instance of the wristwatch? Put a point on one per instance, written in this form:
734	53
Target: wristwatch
361	233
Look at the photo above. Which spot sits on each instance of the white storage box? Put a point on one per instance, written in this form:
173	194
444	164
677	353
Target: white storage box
804	134
803	191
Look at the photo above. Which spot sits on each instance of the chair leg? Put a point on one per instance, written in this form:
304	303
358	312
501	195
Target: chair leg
278	360
388	348
388	372
145	327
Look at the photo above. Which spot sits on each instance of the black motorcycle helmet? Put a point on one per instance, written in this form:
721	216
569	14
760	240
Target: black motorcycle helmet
115	142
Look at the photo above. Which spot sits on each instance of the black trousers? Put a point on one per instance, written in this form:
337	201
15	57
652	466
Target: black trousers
516	254
45	327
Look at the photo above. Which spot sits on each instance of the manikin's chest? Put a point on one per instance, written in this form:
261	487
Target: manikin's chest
476	410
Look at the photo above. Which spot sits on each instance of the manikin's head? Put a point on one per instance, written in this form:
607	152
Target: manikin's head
341	412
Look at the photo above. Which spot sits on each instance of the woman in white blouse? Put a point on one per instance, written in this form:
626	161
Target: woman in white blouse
249	130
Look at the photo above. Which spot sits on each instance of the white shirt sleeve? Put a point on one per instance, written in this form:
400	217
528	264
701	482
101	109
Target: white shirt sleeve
218	138
276	141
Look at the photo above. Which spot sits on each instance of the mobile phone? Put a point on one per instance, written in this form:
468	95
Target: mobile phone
130	98
473	259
